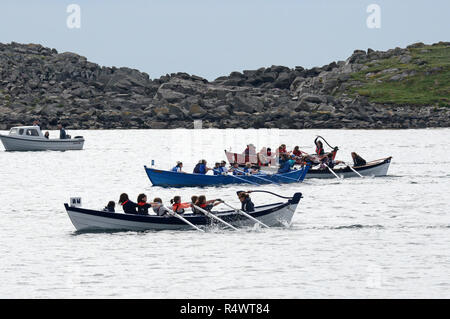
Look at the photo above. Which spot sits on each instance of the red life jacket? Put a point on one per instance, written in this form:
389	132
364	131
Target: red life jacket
141	203
125	202
319	150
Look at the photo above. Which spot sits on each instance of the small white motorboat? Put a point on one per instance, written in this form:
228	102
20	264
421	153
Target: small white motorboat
30	138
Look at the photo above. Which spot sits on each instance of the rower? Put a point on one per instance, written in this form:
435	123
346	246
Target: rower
217	170
223	167
285	164
193	201
358	160
128	206
159	208
235	169
246	203
319	147
207	204
142	205
178	206
297	151
201	167
247	169
110	207
178	167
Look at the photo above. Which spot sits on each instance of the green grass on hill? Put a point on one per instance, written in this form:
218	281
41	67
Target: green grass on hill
428	82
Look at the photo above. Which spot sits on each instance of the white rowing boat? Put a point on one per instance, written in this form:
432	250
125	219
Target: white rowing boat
278	214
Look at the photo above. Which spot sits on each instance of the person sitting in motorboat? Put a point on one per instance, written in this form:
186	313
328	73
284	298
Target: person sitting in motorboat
110	207
201	167
178	167
128	206
358	160
246	202
47	135
207	204
178	206
62	132
158	207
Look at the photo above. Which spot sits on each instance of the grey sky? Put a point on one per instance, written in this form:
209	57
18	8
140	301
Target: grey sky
211	38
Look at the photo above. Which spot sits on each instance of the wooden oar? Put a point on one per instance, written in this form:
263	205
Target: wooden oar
332	171
172	213
210	215
246	215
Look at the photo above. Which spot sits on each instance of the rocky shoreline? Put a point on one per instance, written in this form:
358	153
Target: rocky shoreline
40	83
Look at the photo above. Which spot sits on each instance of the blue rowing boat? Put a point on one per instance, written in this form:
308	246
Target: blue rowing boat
173	179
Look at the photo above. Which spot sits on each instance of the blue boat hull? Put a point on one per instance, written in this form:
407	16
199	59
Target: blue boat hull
174	179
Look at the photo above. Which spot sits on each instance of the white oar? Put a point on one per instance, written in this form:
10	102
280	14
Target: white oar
244	180
172	213
354	170
246	215
332	171
204	211
264	179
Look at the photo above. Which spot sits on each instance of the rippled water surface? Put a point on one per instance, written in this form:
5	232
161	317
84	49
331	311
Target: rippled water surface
371	237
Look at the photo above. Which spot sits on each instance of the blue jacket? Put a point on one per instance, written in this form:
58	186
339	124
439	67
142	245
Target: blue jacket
285	167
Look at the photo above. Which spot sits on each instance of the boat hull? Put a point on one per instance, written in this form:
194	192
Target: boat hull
174	179
38	144
375	168
273	215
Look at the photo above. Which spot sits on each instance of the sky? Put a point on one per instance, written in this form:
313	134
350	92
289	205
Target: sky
212	38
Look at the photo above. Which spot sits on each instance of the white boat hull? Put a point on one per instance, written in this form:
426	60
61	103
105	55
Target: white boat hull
379	169
40	144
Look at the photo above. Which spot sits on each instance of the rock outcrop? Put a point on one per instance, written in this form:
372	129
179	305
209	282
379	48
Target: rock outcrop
40	83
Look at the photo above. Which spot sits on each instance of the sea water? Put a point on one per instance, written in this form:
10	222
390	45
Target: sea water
357	237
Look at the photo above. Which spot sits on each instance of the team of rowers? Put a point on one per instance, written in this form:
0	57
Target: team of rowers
142	206
220	168
286	161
